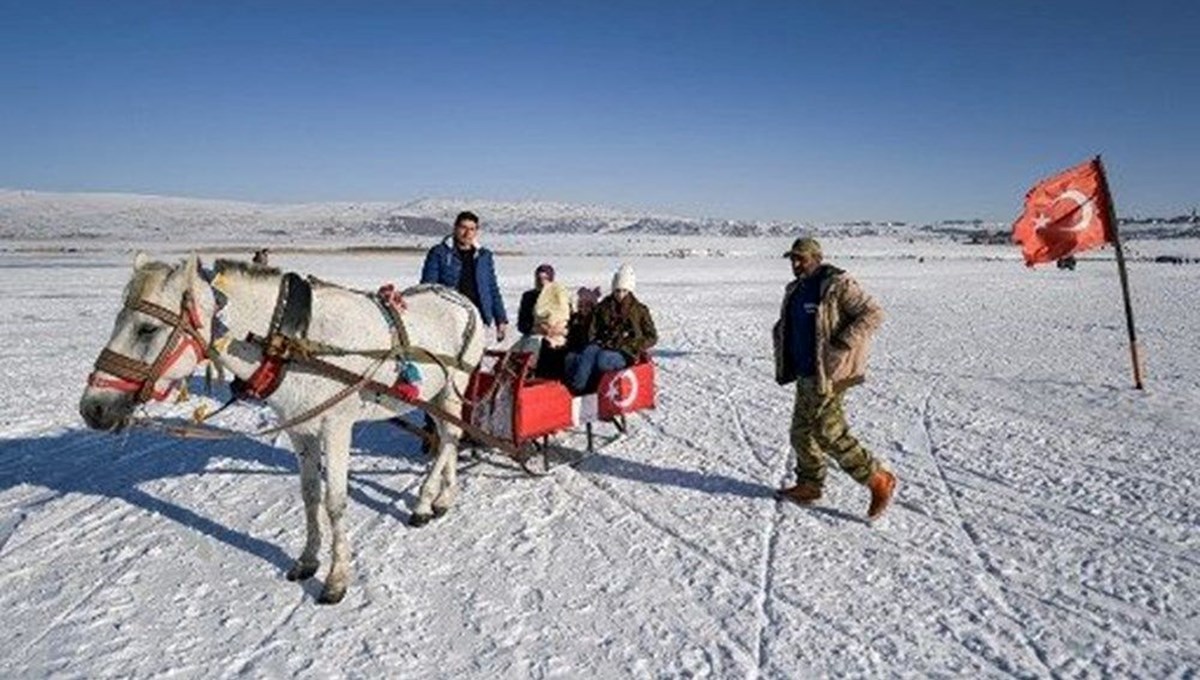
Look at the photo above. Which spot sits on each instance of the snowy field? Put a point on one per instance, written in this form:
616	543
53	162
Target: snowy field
1046	523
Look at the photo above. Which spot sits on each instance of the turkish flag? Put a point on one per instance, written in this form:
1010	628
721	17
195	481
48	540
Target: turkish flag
625	391
1065	214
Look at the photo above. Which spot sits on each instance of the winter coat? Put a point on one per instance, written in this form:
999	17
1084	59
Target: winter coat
525	311
847	317
578	327
443	266
623	326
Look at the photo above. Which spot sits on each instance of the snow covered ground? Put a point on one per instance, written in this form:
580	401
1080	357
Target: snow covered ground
1046	523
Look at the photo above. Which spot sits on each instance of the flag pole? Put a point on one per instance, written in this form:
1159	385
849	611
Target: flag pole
1120	253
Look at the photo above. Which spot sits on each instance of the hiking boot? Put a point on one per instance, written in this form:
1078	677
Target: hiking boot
804	493
882	485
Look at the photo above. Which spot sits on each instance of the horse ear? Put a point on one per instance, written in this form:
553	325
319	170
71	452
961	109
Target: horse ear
191	266
140	259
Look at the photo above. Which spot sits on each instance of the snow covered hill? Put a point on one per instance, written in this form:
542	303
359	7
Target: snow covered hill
34	215
95	222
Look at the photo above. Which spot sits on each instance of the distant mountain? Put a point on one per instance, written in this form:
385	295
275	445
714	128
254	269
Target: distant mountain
48	215
44	215
979	231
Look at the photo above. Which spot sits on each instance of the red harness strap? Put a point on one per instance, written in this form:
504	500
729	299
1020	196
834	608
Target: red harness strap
265	379
293	306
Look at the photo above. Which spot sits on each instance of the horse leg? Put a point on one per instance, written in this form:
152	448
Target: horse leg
452	434
310	490
335	440
432	487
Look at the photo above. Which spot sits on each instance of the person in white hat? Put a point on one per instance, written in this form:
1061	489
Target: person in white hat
621	332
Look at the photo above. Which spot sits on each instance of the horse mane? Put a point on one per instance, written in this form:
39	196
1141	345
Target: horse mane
144	277
247	269
316	282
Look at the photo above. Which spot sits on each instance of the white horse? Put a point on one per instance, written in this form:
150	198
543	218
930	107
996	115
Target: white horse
164	331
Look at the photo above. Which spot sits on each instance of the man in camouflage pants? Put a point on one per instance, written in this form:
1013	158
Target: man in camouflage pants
821	343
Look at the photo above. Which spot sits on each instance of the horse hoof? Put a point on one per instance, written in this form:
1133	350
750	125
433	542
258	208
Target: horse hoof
331	595
415	520
439	512
301	571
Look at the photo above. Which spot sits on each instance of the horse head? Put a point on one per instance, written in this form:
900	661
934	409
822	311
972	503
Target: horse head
161	334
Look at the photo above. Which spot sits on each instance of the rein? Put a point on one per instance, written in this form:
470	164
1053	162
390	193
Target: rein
140	378
202	431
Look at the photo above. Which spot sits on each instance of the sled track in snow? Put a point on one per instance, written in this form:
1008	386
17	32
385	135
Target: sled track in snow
762	585
687	543
770	539
649	520
60	618
766	603
996	591
755	585
661	528
765	616
736	411
240	664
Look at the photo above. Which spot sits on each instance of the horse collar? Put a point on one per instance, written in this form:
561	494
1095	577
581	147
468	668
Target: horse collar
293	311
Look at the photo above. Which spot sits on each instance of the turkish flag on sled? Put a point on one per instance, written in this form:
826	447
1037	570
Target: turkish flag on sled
1065	214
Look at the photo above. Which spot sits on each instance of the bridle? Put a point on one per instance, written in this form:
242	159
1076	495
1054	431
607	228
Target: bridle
140	378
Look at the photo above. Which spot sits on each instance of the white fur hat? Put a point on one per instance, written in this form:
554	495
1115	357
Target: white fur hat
553	306
624	279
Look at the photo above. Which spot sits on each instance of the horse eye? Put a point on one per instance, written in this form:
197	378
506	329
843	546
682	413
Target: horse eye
146	331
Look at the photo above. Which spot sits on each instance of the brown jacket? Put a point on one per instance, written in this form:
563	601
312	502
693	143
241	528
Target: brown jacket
846	319
624	327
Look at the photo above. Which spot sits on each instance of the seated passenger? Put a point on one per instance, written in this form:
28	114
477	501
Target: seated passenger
541	276
581	319
562	343
620	333
551	316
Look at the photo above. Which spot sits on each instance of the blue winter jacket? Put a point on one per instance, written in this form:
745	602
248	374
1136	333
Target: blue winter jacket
443	266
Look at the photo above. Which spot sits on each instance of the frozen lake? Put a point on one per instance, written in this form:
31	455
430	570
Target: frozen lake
1046	522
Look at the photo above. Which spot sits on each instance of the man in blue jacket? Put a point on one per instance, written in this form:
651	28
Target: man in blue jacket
461	263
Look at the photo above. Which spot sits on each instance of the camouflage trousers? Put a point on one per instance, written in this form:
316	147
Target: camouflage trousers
819	429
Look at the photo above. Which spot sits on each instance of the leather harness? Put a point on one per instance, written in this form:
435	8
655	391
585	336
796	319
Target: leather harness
287	343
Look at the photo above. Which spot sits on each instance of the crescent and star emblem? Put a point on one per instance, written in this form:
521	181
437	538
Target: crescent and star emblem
1083	203
614	393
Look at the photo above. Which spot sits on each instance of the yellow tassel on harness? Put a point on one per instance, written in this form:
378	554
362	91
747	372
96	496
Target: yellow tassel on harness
220	282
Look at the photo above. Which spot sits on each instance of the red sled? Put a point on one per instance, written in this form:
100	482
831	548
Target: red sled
507	401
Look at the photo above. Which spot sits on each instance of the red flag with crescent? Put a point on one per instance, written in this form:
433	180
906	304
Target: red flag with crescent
1065	214
626	391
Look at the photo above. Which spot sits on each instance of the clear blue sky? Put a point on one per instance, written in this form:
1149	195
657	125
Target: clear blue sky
801	110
